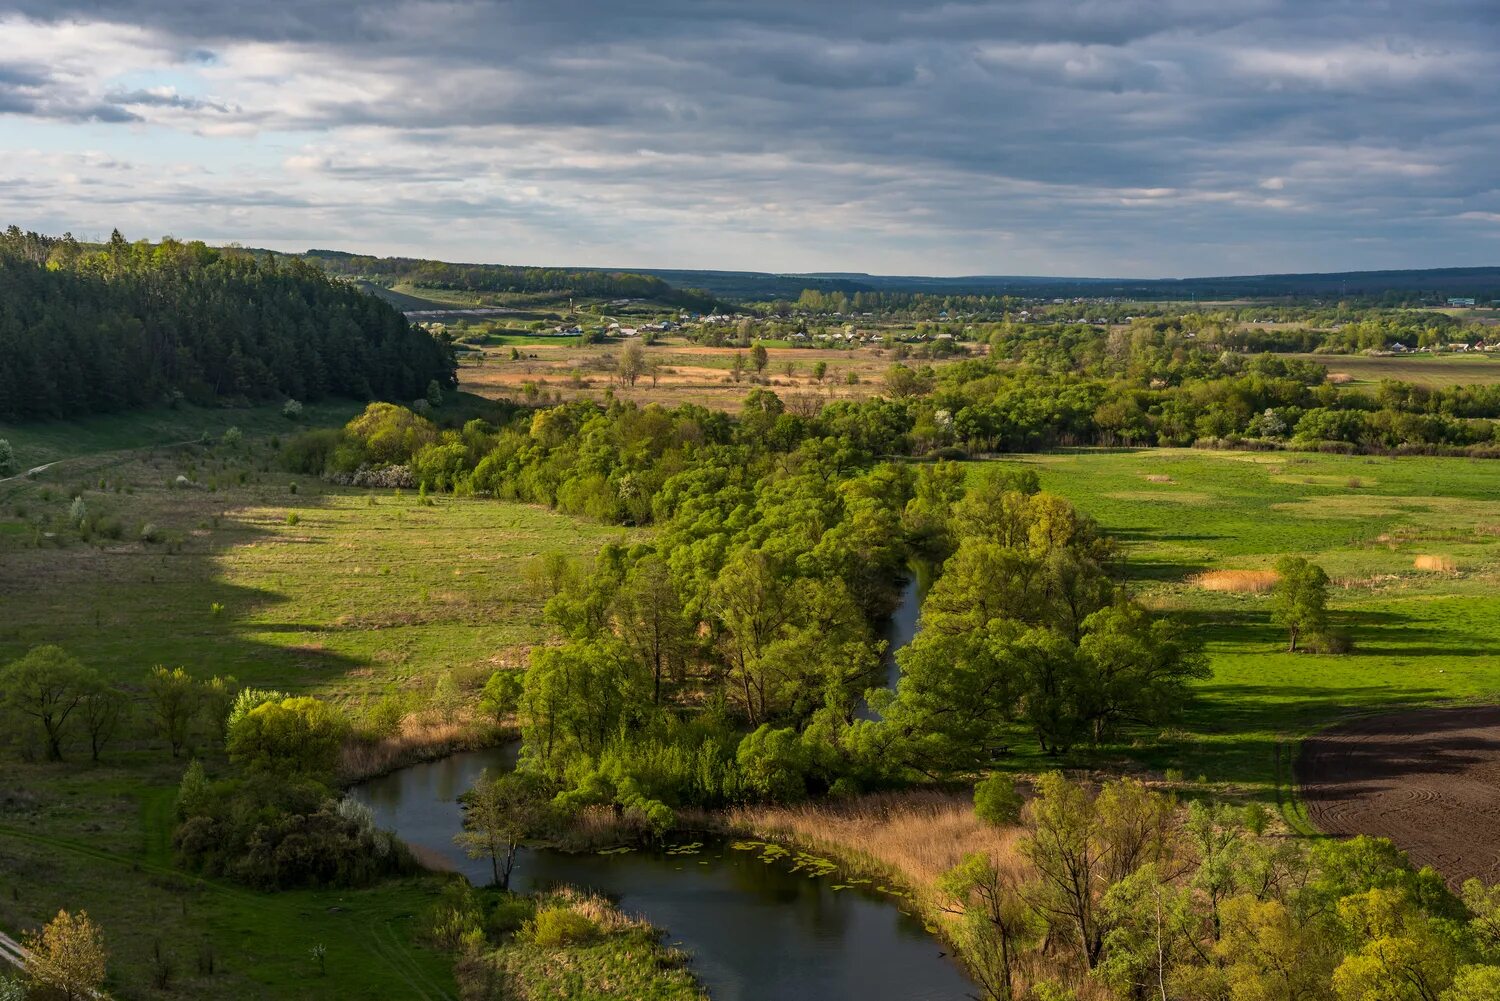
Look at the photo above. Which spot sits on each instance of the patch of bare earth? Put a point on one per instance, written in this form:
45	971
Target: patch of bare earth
1427	779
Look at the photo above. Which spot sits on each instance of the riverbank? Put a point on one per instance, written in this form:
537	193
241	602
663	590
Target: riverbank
907	839
579	945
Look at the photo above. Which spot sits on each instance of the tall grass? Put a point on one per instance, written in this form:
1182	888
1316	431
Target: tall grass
914	835
1240	581
420	737
1440	564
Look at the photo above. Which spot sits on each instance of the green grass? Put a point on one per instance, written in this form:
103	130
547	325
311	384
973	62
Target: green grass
1420	637
366	590
1422	370
40	442
95	838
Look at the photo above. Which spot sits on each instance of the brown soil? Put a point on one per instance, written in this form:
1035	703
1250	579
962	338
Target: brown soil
1427	779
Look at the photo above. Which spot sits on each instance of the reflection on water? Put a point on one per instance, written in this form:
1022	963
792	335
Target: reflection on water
755	930
901	628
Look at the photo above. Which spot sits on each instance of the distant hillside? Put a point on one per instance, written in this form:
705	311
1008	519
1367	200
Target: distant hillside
504	278
1481	283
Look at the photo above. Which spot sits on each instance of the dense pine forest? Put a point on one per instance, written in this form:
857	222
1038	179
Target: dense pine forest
107	328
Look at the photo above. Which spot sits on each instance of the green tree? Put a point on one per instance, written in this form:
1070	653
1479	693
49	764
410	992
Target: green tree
632	363
47	686
1081	845
500	812
104	711
502	694
293	736
650	618
7	458
820	371
175	701
1299	599
995	927
759	359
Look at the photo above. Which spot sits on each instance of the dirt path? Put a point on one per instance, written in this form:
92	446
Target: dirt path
12	951
1428	779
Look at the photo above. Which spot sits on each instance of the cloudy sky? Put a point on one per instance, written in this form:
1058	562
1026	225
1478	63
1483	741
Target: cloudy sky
1080	137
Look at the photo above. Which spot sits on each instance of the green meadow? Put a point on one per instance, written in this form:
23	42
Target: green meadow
1420	637
280	581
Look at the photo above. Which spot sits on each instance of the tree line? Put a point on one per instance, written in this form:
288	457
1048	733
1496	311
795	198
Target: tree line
509	278
94	329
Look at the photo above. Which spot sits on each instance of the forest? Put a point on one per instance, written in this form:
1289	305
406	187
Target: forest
125	325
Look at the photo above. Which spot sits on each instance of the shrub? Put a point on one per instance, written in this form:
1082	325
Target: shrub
233	436
310	452
7	458
997	802
558	925
291	409
150	533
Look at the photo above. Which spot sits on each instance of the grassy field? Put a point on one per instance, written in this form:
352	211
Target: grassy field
1421	636
341	593
1421	370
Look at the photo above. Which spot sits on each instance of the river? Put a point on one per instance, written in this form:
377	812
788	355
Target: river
755	929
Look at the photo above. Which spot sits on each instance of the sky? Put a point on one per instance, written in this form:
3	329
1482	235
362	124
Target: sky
1120	138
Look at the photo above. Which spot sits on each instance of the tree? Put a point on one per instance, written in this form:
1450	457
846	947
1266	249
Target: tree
500	813
632	363
649	614
1082	844
502	694
1136	668
7	458
175	699
104	710
1299	599
995	922
759	358
297	735
68	956
820	371
737	365
47	686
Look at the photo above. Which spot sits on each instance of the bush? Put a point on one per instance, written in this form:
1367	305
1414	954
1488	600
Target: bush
997	802
311	452
7	458
291	409
558	925
299	735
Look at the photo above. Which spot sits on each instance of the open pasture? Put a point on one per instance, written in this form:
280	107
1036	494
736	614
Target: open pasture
1420	637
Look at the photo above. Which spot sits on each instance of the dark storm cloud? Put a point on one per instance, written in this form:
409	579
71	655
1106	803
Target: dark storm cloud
1096	135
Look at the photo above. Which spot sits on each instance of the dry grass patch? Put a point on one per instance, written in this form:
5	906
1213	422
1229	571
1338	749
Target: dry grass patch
420	737
1340	378
1438	564
1238	581
1159	478
917	835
